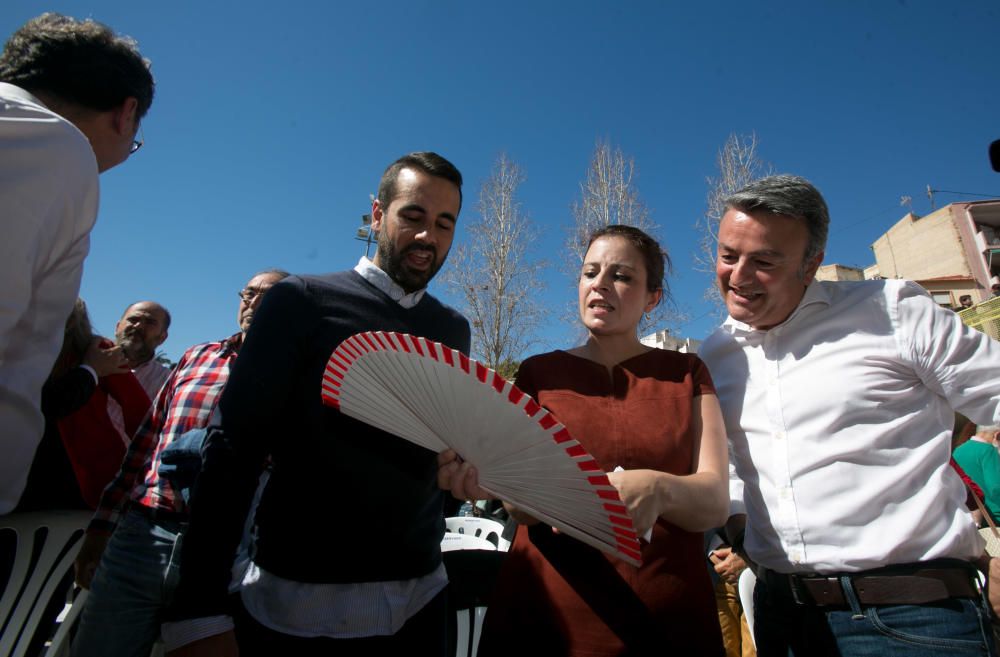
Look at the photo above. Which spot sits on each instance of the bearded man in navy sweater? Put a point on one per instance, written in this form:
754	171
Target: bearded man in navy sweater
315	586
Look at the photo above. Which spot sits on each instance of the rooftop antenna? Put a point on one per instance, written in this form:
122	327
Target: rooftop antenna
365	233
930	195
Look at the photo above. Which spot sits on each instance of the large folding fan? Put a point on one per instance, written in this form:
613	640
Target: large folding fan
438	398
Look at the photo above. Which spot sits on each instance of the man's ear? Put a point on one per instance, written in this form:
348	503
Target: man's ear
376	215
812	266
163	338
125	118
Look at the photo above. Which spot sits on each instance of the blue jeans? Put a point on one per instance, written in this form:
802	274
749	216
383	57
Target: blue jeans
130	590
956	626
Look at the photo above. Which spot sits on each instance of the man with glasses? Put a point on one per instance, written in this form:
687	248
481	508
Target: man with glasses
72	94
313	587
144	510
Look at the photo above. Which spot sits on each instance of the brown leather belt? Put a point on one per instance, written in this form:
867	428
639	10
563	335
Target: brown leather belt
912	584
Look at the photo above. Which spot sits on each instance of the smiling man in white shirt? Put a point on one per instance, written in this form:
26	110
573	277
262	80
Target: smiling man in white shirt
838	399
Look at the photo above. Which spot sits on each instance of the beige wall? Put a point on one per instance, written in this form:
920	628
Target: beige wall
922	248
839	273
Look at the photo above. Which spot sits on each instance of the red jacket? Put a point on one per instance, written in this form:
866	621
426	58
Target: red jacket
93	444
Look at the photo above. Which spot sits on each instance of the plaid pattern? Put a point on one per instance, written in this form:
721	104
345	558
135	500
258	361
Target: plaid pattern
185	402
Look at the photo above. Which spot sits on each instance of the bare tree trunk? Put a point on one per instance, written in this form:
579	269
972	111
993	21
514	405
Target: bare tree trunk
738	164
493	275
609	196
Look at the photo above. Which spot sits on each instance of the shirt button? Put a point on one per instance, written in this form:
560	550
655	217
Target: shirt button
779	435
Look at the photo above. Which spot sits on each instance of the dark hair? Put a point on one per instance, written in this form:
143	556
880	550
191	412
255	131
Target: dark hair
77	335
790	196
656	259
426	161
965	296
280	273
166	313
80	62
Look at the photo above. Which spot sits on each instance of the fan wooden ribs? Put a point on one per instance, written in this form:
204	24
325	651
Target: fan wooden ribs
440	399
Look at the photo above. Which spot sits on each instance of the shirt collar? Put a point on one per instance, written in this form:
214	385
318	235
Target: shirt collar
816	293
371	273
12	90
233	343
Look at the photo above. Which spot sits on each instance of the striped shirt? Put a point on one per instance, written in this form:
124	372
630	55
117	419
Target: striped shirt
185	402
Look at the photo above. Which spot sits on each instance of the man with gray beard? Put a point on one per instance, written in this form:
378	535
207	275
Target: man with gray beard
141	329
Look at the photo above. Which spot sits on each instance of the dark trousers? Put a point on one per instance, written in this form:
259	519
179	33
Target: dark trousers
424	634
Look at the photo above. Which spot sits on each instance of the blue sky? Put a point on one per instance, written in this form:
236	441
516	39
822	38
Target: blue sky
273	121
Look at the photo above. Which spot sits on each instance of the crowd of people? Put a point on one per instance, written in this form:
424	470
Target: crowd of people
809	440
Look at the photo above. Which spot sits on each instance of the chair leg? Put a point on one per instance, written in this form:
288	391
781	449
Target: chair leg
462	636
479	615
59	646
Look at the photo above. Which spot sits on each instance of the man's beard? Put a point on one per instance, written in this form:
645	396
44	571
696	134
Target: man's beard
135	349
392	263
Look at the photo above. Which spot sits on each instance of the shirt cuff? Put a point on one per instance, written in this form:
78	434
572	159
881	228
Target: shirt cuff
180	633
92	371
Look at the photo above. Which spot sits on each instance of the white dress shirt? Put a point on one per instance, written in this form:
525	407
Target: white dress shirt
839	421
48	201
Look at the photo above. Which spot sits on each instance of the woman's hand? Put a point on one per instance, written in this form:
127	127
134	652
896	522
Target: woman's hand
105	358
642	493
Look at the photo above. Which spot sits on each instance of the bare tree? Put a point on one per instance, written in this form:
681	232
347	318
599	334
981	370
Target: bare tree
609	196
494	276
738	164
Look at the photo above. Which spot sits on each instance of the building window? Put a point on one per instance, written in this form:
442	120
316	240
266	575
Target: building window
942	298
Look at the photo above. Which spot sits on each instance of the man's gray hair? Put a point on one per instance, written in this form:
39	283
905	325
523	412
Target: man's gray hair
987	428
791	196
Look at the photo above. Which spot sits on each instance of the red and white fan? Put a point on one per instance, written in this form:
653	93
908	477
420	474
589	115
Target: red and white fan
439	398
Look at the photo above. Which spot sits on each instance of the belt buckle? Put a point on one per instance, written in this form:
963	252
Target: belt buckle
795	585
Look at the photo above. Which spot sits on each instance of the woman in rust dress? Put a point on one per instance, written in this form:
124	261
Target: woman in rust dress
653	413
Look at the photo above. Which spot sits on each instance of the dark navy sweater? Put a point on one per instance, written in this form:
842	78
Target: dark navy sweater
346	502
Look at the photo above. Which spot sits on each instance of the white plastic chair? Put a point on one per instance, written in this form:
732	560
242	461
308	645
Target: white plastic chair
746	585
452	541
491	530
45	545
471	617
471	533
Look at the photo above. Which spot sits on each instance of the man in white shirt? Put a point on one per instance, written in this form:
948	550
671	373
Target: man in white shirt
72	94
838	399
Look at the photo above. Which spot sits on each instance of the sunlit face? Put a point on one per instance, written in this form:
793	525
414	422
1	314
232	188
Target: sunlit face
613	294
761	268
251	296
416	230
140	331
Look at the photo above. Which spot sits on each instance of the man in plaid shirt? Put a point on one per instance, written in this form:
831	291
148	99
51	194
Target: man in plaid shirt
128	556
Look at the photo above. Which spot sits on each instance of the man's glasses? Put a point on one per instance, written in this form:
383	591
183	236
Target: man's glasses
249	294
137	143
